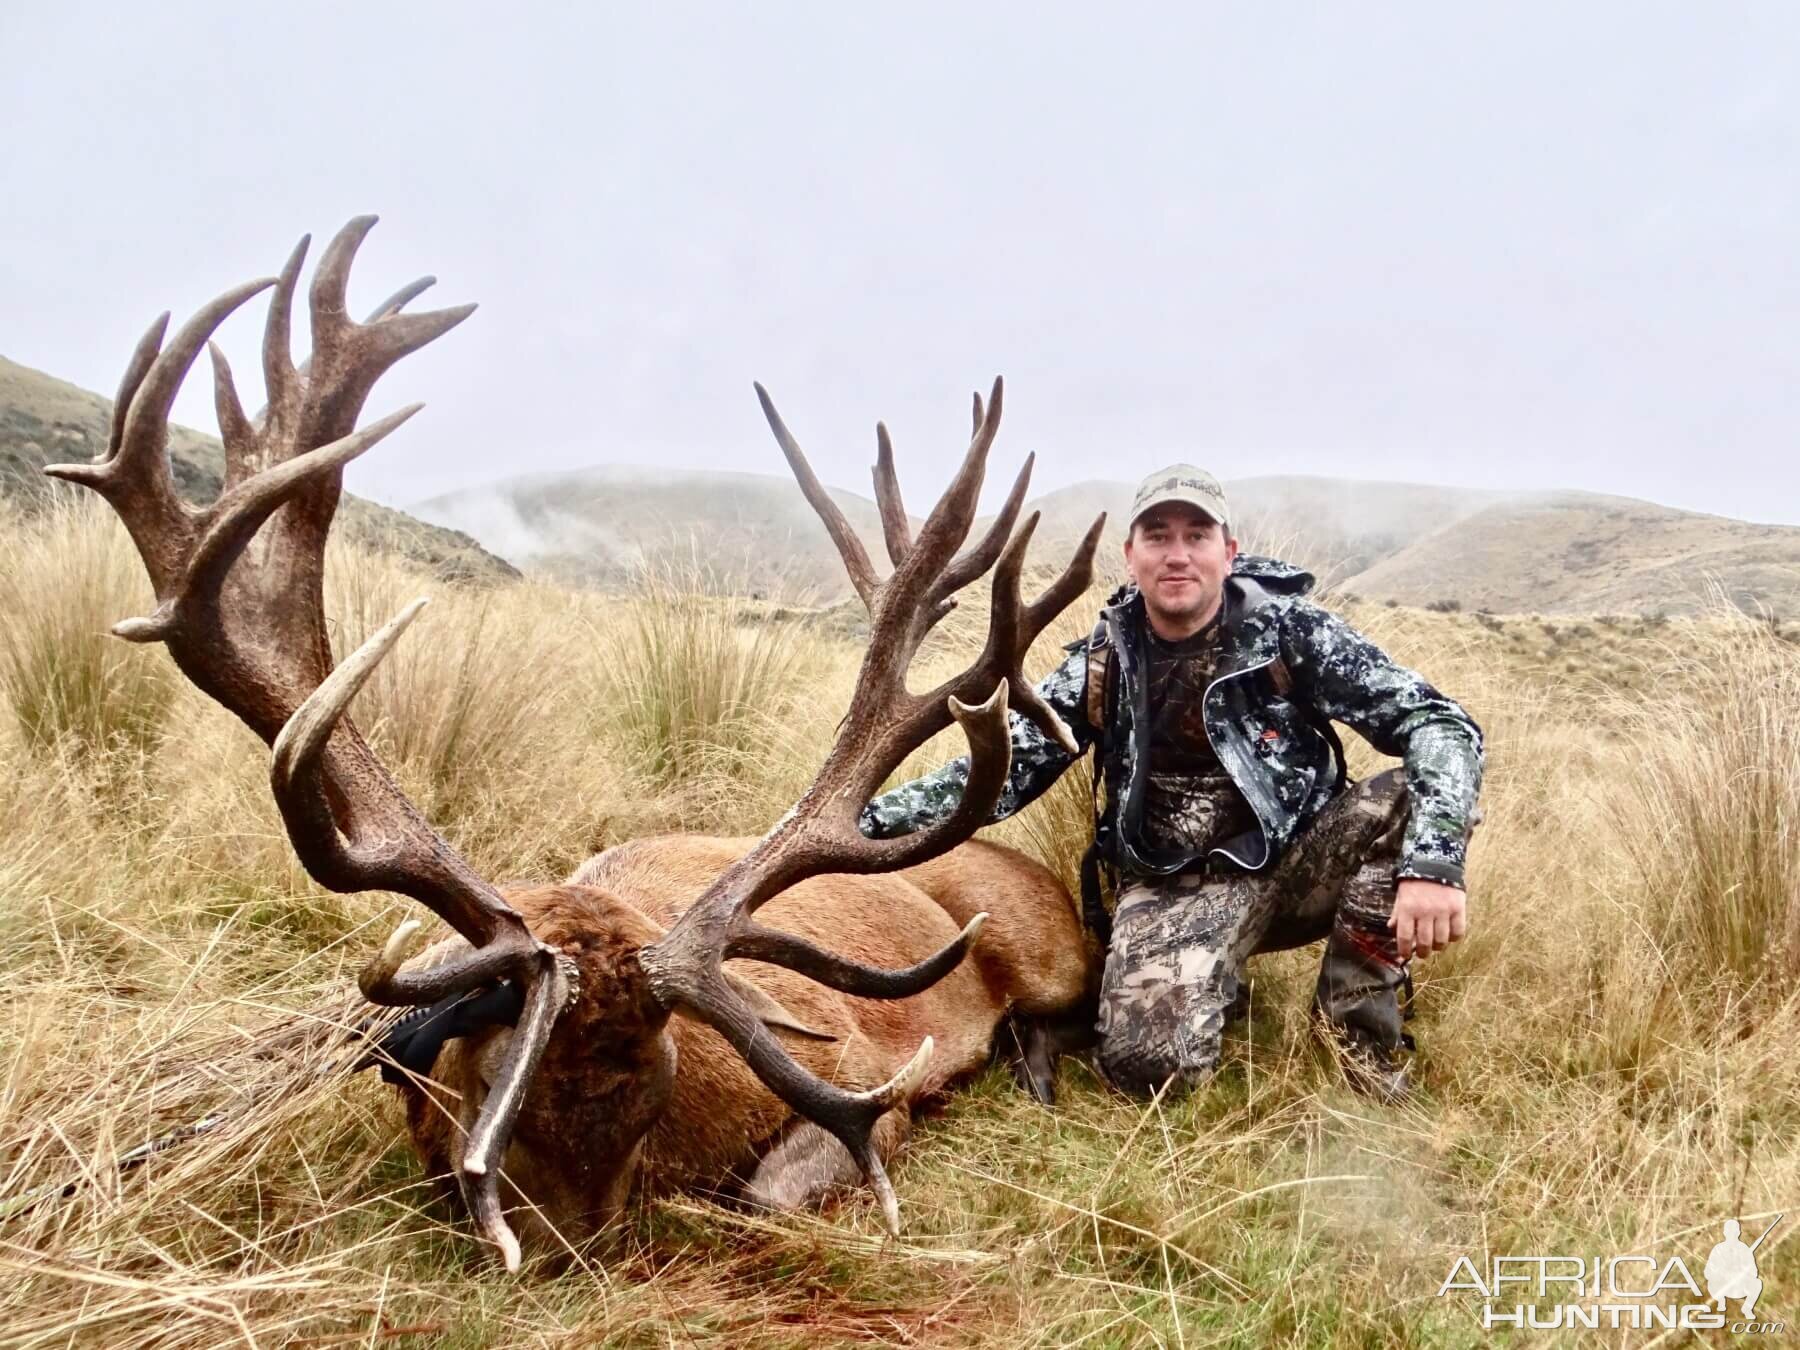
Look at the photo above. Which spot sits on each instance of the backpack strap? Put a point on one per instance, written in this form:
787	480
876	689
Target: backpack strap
1100	664
1099	679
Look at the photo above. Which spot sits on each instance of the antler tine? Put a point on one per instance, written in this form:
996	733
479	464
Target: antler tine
395	335
948	524
281	381
248	628
1070	585
329	296
1007	642
979	414
977	560
884	722
776	948
894	527
141	359
400	299
849	547
235	429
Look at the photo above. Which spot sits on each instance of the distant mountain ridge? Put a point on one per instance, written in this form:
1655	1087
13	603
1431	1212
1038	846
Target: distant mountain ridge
600	526
1411	543
44	420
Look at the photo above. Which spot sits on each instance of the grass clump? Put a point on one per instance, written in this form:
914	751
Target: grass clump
466	701
1711	817
694	682
67	574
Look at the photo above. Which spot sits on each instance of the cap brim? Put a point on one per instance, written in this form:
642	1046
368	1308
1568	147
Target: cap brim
1175	499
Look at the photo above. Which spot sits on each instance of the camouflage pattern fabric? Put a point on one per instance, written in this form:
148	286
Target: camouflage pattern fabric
1285	665
1037	762
1198	808
1189	800
1175	973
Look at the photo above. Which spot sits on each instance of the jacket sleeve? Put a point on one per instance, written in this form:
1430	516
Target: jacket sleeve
1351	680
1037	762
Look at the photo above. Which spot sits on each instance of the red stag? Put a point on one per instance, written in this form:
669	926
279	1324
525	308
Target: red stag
635	1054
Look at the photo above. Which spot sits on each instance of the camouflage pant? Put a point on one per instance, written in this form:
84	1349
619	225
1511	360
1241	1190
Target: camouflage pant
1179	943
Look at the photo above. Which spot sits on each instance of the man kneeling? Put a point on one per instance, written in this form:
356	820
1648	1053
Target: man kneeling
1210	685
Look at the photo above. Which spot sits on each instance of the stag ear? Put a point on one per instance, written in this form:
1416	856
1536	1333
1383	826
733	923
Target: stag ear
769	1010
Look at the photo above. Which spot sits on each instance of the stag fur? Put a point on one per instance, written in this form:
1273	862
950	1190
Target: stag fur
666	1104
806	1062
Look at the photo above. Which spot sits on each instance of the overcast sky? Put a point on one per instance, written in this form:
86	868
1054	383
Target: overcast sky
1501	245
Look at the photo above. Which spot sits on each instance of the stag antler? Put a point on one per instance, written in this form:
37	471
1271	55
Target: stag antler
885	723
248	627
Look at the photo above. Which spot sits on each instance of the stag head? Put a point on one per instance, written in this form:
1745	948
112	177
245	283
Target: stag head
247	625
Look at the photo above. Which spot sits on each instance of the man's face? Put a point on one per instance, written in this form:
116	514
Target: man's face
1179	557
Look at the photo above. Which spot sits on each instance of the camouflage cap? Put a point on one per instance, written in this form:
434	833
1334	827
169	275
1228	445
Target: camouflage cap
1182	483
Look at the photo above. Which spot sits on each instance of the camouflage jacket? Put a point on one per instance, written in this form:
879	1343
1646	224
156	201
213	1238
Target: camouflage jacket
1287	668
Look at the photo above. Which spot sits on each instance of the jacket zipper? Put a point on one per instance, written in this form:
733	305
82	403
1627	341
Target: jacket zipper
1261	827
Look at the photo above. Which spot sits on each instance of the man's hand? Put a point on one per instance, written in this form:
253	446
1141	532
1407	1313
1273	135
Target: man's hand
1428	916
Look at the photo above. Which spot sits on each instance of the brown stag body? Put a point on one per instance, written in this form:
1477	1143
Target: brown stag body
665	1026
629	1098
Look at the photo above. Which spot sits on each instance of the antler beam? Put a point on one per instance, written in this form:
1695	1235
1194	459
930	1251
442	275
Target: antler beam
248	628
885	722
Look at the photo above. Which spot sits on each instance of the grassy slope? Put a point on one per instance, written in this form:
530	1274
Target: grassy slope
1565	553
44	420
1607	1064
1582	553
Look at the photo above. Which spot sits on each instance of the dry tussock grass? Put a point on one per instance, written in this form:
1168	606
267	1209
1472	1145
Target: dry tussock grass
1608	1062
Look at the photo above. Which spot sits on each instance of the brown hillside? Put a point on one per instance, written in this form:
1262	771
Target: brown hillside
1568	553
1336	526
1413	543
44	420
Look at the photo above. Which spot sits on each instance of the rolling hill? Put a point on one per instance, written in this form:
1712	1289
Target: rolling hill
601	524
1411	543
44	420
747	531
1578	552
